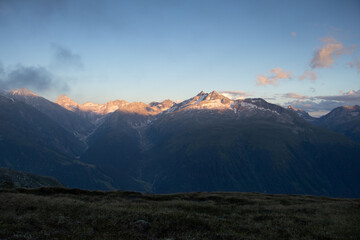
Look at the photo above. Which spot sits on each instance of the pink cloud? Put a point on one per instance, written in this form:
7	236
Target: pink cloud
293	34
308	75
325	56
295	96
350	96
355	63
277	74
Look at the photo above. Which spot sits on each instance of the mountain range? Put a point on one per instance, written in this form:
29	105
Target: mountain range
206	143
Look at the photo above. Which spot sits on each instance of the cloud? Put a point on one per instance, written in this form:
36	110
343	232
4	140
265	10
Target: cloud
348	97
325	56
35	78
65	58
293	34
314	107
355	63
295	96
2	70
308	75
235	94
320	105
277	74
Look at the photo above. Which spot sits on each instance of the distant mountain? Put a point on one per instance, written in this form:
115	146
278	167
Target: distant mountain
97	113
12	178
345	120
302	114
33	142
73	123
212	143
206	143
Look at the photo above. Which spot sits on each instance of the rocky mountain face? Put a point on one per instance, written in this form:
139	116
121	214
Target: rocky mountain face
207	143
10	178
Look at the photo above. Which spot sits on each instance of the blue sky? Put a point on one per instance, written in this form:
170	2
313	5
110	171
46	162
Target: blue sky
153	50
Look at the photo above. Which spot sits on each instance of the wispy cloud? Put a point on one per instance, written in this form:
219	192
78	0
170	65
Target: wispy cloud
235	94
314	107
348	97
2	70
294	96
319	105
355	63
276	75
308	75
40	78
35	78
326	55
65	58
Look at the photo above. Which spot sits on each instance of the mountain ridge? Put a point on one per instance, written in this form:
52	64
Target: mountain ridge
205	143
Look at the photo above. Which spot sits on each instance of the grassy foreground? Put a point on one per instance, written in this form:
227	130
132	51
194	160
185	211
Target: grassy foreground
56	213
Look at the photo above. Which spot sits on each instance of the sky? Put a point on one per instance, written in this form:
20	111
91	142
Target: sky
303	53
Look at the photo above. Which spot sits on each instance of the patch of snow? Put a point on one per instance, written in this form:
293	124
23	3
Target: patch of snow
253	107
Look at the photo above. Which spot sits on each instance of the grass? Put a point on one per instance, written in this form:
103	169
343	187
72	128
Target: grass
57	213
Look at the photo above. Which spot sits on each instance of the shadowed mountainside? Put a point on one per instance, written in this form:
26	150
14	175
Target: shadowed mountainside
10	178
209	143
31	141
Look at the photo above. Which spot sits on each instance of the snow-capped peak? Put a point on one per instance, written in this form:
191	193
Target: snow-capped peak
204	100
23	92
63	99
67	102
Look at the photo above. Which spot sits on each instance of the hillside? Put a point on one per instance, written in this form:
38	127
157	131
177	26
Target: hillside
11	178
211	143
32	142
55	213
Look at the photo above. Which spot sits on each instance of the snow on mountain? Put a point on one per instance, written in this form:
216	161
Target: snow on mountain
216	101
99	109
203	100
23	92
116	105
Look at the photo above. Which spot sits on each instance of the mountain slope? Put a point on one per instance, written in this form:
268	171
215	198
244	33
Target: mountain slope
30	141
253	154
345	120
12	178
70	121
212	143
302	114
